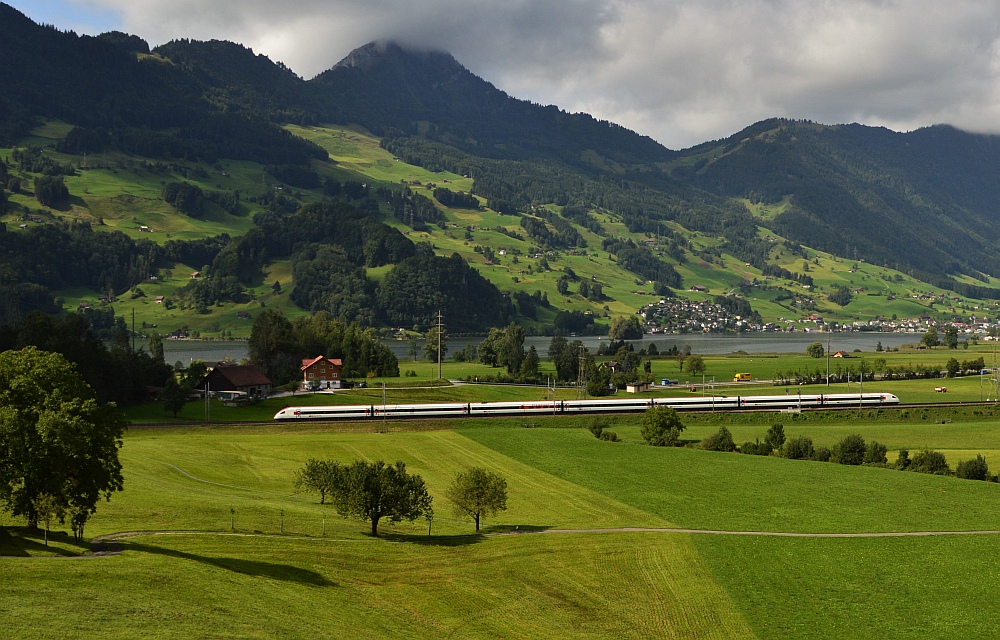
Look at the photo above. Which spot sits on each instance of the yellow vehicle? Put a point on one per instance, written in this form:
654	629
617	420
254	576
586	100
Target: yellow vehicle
742	377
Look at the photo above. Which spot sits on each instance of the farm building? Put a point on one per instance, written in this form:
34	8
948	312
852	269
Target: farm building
322	373
237	377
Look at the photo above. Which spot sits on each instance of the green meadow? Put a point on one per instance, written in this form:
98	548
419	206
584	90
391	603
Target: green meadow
227	549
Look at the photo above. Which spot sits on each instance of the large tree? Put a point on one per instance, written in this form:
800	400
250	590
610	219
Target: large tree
477	492
661	427
55	439
372	491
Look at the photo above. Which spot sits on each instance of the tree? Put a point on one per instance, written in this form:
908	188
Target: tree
625	328
952	367
371	491
975	469
927	461
816	350
529	367
51	191
55	438
950	337
798	448
930	339
775	436
47	507
174	395
431	343
156	347
721	440
661	427
476	493
875	453
850	450
490	347
318	476
511	352
271	344
695	364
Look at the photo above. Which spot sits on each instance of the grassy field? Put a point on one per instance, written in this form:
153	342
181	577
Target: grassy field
253	559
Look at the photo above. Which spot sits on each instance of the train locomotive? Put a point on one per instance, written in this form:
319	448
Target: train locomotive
564	407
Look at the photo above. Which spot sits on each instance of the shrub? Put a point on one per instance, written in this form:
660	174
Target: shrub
823	454
756	448
775	436
798	448
850	450
598	425
609	436
975	469
721	440
902	460
875	453
661	427
930	462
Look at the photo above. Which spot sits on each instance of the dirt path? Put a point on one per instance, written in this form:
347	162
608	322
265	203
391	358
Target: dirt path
108	544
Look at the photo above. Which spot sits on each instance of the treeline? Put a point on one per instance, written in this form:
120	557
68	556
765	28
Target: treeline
851	450
562	236
456	199
642	261
115	372
278	346
410	208
775	271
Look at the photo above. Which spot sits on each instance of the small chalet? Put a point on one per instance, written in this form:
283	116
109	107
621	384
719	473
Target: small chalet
237	377
322	373
841	354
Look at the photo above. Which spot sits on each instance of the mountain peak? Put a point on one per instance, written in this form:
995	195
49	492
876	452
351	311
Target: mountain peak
372	54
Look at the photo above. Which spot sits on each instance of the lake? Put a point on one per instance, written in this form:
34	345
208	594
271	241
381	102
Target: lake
706	344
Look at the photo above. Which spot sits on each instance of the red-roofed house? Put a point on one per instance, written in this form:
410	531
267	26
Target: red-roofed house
238	377
322	373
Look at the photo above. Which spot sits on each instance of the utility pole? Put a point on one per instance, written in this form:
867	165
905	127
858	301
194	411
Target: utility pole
828	361
439	344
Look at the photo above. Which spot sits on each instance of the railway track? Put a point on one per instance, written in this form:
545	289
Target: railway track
375	424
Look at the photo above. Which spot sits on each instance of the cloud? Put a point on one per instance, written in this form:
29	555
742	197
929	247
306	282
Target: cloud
681	71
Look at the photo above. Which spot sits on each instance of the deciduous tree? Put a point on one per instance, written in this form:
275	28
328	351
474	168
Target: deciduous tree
661	427
478	492
55	439
372	491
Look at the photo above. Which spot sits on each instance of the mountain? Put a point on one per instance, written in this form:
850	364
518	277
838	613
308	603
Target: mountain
206	138
383	86
924	201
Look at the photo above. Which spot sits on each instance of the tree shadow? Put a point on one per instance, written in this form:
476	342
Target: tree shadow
495	529
25	542
255	568
459	540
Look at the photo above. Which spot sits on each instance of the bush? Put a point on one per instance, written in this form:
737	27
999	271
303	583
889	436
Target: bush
721	440
799	448
609	436
875	454
930	462
775	436
902	460
756	448
975	469
661	427
598	425
823	454
850	450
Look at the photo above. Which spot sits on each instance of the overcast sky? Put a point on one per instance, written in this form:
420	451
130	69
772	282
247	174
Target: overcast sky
680	71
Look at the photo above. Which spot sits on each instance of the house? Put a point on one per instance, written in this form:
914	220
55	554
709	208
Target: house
698	287
237	377
242	314
322	373
159	299
841	354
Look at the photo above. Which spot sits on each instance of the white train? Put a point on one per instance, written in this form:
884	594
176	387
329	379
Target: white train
609	405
